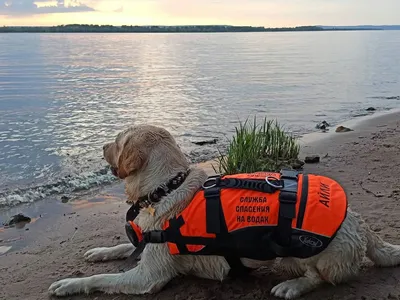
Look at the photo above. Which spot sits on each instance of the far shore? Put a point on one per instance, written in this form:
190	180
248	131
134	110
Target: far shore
365	161
90	28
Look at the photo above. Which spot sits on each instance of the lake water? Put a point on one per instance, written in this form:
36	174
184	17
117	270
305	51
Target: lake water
62	96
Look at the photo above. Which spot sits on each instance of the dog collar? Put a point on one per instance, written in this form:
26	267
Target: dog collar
156	195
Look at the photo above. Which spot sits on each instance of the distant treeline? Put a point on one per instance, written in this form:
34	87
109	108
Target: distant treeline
111	28
195	28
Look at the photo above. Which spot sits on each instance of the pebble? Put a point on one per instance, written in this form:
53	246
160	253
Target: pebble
312	159
343	129
4	249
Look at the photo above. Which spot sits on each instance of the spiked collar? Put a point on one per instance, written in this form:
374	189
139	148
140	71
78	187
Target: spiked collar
156	195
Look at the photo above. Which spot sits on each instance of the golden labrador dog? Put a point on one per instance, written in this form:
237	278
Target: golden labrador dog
147	157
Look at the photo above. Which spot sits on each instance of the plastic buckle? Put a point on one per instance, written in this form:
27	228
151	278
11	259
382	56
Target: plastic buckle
156	236
289	174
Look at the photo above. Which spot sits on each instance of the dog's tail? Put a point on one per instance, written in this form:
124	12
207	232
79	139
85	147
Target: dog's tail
382	253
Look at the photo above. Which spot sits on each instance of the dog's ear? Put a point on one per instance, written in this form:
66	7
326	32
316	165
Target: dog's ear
130	159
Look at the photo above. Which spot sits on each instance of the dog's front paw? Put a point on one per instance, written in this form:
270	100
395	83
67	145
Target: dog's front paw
99	254
68	286
287	290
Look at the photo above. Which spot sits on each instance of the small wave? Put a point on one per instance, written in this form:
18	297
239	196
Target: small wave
67	185
386	97
72	185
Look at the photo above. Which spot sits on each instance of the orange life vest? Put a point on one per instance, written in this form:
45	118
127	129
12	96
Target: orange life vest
260	216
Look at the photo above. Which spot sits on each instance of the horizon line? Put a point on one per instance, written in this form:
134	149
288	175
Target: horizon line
254	26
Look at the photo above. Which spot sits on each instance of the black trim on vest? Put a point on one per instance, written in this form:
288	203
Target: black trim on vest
213	210
173	235
303	202
174	231
279	250
215	223
287	209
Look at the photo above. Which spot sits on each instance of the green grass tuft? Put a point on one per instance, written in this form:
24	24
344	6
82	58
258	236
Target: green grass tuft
258	147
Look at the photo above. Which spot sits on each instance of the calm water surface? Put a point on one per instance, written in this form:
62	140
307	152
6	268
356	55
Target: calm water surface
62	96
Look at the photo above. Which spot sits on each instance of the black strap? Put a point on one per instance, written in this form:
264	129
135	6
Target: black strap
154	236
133	257
215	223
303	202
174	233
237	267
287	210
132	212
213	210
280	251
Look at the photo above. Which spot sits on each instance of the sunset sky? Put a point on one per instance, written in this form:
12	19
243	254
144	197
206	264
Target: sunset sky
269	13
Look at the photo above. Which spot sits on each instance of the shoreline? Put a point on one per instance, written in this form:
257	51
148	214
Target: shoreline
51	247
73	186
355	123
105	194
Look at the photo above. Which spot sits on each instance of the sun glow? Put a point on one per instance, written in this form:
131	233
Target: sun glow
269	13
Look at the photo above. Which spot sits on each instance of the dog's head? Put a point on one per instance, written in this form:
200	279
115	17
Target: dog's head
130	151
147	154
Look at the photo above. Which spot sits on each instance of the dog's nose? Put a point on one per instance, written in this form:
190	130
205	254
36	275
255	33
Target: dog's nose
104	147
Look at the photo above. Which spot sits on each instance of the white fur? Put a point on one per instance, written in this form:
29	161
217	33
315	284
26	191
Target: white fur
109	253
339	262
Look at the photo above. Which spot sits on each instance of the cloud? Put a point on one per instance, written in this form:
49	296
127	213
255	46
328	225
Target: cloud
119	10
29	7
269	13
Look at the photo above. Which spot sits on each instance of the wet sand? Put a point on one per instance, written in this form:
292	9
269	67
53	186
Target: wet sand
366	161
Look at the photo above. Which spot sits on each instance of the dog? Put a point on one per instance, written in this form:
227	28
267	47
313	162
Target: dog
145	157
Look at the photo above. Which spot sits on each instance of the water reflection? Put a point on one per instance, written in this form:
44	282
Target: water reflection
62	96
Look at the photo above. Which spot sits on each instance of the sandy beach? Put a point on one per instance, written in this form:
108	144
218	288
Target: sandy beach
365	161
